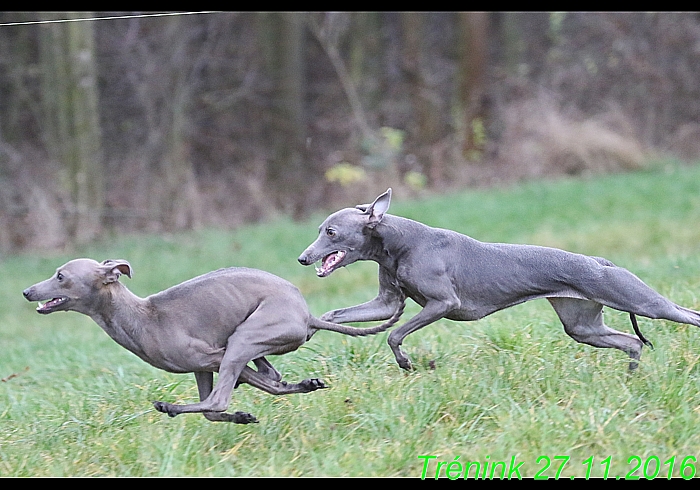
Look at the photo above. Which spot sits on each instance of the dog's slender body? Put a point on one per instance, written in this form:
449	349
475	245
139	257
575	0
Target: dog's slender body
217	322
457	277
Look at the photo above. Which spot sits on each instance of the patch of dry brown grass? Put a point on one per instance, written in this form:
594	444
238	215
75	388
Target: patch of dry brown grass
540	138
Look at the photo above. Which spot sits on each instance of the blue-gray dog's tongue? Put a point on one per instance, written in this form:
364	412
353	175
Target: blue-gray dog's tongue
49	304
329	262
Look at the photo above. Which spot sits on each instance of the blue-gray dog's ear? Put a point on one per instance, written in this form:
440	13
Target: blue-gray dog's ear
112	269
378	208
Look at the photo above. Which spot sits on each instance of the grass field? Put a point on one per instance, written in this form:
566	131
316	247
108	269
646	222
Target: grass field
511	387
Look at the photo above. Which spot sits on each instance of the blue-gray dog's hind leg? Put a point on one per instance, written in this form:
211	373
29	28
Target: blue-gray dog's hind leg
583	322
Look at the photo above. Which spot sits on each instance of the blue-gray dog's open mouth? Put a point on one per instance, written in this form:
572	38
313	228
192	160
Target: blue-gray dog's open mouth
51	305
330	263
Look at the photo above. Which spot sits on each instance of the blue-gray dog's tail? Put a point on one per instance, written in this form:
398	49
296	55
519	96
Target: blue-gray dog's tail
357	332
646	342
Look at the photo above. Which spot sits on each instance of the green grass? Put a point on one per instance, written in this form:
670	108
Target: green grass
74	403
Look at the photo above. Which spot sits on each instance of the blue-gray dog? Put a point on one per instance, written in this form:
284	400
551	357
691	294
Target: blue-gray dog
457	277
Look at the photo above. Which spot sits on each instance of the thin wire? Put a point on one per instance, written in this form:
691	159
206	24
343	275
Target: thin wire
59	21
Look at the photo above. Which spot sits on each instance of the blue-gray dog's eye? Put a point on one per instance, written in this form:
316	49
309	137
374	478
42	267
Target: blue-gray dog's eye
59	276
330	232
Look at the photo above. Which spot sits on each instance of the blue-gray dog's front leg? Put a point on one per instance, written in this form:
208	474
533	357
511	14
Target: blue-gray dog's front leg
382	307
205	384
377	309
431	312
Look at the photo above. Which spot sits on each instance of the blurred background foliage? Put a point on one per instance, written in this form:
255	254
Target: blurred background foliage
165	123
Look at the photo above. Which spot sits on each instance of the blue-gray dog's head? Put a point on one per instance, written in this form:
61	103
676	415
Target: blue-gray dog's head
74	281
342	236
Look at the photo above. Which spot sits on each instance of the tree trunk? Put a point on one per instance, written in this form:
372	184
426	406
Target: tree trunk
512	43
473	28
423	128
289	170
365	56
16	53
179	202
70	101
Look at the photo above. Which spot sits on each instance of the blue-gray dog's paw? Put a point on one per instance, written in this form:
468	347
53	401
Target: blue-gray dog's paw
242	418
234	418
313	384
165	408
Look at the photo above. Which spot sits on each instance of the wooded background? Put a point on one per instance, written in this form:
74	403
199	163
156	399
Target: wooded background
216	119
